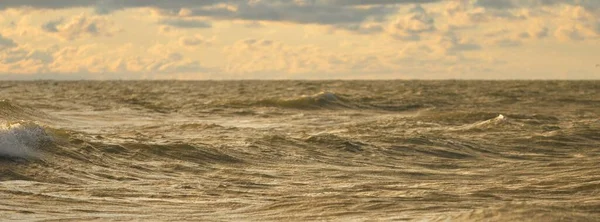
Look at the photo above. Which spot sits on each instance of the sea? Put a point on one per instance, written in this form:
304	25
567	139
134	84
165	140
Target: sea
252	150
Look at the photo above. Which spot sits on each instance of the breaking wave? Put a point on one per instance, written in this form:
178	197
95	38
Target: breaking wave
495	122
21	139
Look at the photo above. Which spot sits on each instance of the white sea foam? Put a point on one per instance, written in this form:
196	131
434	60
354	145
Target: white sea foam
500	119
21	139
497	121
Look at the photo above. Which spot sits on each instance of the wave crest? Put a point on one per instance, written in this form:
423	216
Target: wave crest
498	123
324	100
11	111
316	101
21	139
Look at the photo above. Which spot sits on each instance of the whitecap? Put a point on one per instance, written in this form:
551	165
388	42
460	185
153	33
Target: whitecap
21	139
497	121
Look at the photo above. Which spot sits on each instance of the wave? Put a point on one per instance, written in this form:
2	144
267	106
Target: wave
490	123
21	139
325	100
497	124
485	121
518	212
316	101
12	111
455	118
336	142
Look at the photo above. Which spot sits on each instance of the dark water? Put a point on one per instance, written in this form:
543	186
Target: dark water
300	150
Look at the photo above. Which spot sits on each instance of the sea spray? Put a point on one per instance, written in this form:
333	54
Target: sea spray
21	139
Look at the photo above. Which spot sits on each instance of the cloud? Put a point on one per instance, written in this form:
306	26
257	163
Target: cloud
508	42
262	58
177	4
81	62
185	23
539	31
462	14
24	60
569	33
288	11
378	2
506	38
6	43
590	5
512	4
159	62
497	4
452	44
412	25
365	28
496	33
326	12
189	41
52	26
342	13
457	14
411	37
578	23
523	35
253	24
42	4
171	63
80	26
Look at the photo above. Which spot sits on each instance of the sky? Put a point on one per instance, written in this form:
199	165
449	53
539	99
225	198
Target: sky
299	39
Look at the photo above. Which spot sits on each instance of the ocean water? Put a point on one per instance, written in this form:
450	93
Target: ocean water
300	150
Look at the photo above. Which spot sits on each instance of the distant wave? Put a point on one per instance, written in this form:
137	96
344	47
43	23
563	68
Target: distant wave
324	100
21	139
456	118
316	101
12	111
485	121
490	123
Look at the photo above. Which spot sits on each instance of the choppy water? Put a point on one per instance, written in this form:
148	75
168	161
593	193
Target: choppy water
300	150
